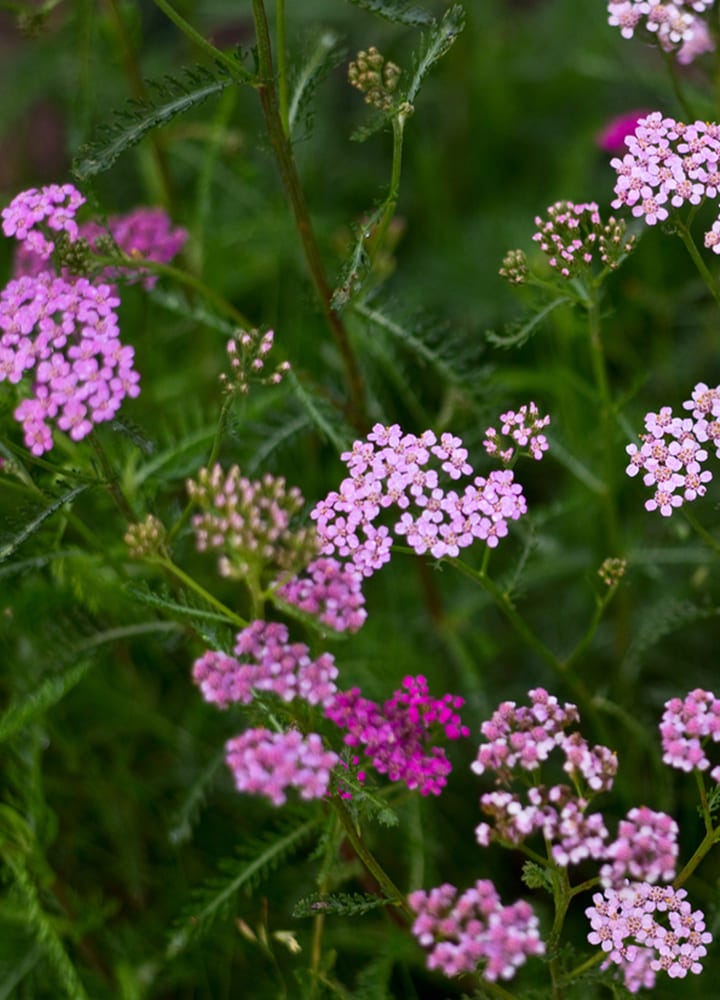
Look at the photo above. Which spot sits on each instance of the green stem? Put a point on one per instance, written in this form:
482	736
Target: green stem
561	897
170	566
669	58
398	123
584	967
600	607
711	837
691	247
711	542
388	887
111	480
282	76
217	55
291	182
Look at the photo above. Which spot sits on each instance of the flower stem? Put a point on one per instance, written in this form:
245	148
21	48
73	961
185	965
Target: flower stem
291	182
711	542
691	247
170	566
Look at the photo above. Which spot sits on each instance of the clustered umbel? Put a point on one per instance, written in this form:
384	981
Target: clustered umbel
397	472
668	165
395	737
572	236
672	453
330	591
645	929
676	26
687	726
376	78
247	351
58	326
521	430
463	931
267	763
612	571
250	522
515	267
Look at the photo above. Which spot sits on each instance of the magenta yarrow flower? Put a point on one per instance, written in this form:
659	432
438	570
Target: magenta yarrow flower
396	737
266	661
267	763
645	929
669	164
645	849
672	453
674	25
522	430
612	138
474	929
687	726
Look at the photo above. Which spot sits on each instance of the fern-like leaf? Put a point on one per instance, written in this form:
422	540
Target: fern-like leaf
398	11
326	420
254	861
338	904
324	55
38	520
517	334
173	96
435	44
181	826
666	617
48	694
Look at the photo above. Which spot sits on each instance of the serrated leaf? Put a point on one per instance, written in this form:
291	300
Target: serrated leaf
255	860
48	694
536	877
37	522
324	55
517	334
435	44
176	96
325	420
339	904
397	11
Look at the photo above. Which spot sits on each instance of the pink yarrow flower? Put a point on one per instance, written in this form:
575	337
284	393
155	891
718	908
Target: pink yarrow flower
267	763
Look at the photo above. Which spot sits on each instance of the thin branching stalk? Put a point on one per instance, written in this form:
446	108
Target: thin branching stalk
685	235
167	564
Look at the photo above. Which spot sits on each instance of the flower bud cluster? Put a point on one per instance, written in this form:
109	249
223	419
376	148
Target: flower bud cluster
462	931
612	571
521	430
146	539
672	453
250	522
646	929
676	25
573	235
247	351
375	78
396	737
515	267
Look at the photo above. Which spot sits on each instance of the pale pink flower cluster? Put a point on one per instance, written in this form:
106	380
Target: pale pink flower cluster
34	216
391	470
396	737
520	739
265	661
573	235
646	929
329	590
668	165
687	726
267	763
675	25
464	931
672	453
250	522
645	850
522	430
65	334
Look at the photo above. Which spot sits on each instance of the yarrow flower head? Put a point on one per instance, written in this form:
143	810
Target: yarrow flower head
396	737
329	590
645	929
35	217
408	475
669	164
375	77
142	234
250	522
521	430
672	452
268	763
573	236
464	931
675	26
645	850
687	726
612	137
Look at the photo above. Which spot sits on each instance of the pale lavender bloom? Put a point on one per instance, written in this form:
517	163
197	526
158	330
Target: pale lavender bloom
474	929
331	591
645	849
687	724
35	215
522	429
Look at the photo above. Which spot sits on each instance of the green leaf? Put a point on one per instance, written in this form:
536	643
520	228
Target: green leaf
325	419
254	861
339	904
398	11
435	44
176	95
324	55
38	520
48	694
536	877
517	334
